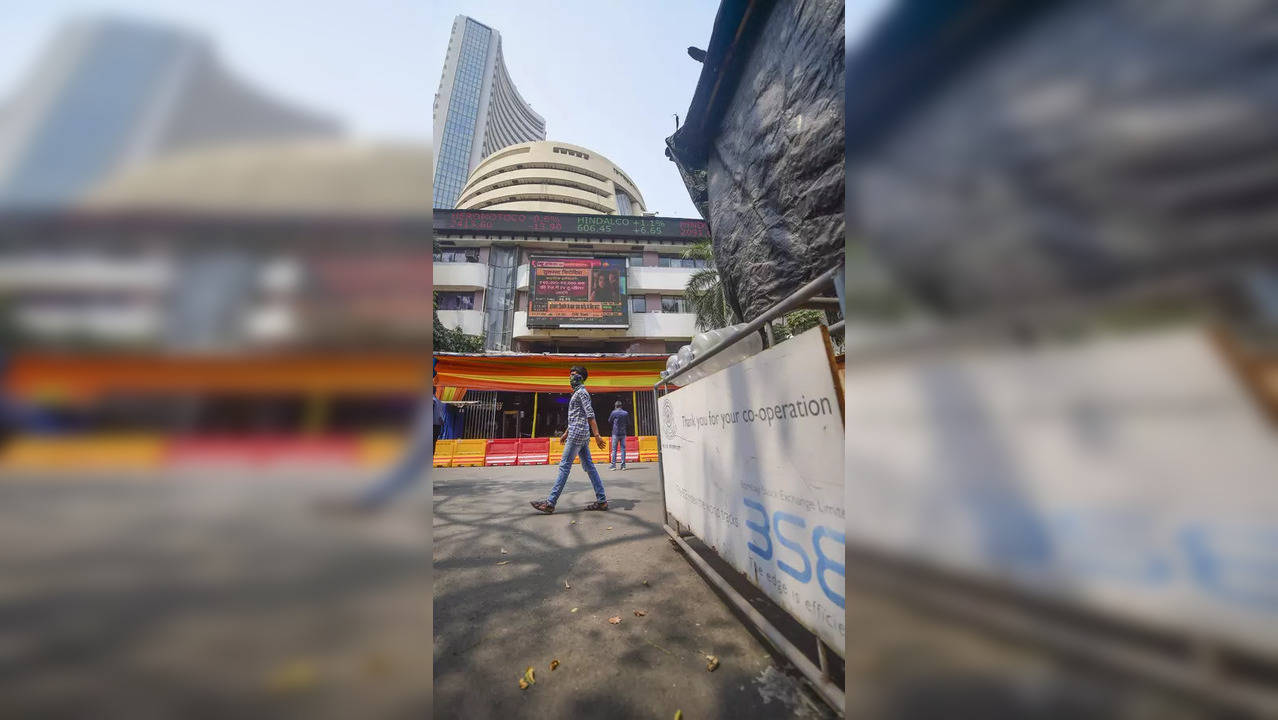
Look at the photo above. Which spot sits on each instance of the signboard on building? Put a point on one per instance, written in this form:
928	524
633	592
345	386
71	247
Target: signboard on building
577	292
752	461
1131	476
567	224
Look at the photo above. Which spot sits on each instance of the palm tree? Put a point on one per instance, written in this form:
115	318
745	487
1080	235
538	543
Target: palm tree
704	291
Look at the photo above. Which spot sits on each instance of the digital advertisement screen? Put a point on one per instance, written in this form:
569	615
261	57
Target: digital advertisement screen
620	226
577	291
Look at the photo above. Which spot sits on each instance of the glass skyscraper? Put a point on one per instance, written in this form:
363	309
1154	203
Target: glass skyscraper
109	91
477	109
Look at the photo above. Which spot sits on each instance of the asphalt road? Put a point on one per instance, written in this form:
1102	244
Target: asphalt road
498	613
213	597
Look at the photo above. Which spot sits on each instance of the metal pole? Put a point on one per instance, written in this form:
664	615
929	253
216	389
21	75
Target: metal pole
661	477
534	427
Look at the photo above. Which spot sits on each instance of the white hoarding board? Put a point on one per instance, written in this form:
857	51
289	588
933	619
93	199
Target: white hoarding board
1134	476
752	459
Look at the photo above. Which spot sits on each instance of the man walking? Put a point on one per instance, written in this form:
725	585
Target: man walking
576	444
620	421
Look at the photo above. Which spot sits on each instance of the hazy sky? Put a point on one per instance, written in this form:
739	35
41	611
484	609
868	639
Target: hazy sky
606	75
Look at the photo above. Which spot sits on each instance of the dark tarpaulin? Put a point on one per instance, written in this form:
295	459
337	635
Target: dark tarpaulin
1003	153
761	150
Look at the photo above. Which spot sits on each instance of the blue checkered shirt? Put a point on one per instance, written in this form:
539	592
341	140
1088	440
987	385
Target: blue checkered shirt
579	413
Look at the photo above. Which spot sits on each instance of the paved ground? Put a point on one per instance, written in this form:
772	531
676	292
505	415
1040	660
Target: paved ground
494	620
210	598
219	597
496	614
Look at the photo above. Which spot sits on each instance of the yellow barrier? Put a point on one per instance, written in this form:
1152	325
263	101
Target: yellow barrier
81	453
648	451
378	450
444	452
469	453
557	453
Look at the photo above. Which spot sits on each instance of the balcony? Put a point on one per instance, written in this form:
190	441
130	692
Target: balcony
664	280
649	326
471	322
460	276
639	280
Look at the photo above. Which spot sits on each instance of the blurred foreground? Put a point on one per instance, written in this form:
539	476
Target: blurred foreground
210	597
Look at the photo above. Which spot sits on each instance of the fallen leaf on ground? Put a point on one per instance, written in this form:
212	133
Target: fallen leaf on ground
609	527
294	676
572	522
553	664
678	715
503	562
523	684
503	551
529	678
614	619
645	582
712	662
566	585
574	610
640	613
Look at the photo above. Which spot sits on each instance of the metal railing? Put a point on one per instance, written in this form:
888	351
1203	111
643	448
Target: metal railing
817	673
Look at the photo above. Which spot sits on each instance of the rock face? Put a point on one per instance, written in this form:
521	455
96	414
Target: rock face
768	175
1100	145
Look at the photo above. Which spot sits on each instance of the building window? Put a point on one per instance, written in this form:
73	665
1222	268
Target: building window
673	304
623	204
676	261
638	304
456	301
636	259
461	255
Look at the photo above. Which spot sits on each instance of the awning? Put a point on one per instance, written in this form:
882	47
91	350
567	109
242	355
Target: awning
37	377
547	373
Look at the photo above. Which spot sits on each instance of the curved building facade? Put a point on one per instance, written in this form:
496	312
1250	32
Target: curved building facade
547	176
477	109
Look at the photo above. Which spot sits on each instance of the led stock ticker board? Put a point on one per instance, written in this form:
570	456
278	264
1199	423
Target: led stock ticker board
565	224
577	292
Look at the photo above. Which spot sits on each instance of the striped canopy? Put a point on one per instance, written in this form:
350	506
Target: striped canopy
545	373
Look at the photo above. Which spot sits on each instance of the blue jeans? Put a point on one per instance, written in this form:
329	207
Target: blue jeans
618	445
574	448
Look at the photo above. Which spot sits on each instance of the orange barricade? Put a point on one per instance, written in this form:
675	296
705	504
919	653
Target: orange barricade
444	452
557	453
84	453
648	448
501	452
379	450
469	453
534	451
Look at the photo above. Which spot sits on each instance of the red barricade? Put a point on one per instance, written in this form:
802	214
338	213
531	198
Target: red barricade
632	449
502	452
534	451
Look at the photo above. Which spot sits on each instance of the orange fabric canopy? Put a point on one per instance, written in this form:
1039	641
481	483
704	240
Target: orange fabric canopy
67	377
548	373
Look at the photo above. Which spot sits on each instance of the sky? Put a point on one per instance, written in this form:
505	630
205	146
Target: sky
609	76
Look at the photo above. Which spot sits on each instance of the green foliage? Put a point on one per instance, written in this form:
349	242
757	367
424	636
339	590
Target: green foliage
453	339
704	291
